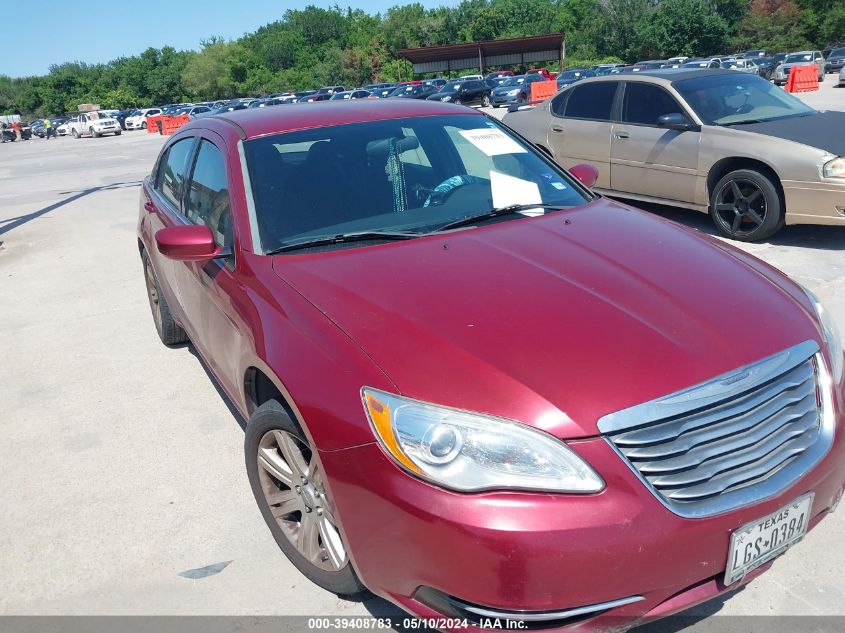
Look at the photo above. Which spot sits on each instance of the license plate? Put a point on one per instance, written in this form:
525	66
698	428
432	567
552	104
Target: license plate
760	541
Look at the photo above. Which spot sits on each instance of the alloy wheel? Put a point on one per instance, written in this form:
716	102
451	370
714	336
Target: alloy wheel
294	488
741	207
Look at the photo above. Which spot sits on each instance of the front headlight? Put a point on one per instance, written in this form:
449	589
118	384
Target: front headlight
831	335
834	168
470	452
446	98
514	92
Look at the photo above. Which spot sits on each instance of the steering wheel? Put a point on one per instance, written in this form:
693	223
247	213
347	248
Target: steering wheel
442	192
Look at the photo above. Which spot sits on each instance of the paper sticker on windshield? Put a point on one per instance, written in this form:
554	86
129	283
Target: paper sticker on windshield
559	185
493	142
507	190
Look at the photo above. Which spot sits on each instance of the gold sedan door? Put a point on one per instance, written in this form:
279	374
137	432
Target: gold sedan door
581	124
652	159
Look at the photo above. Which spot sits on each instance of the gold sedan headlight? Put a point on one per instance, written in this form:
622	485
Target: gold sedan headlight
834	168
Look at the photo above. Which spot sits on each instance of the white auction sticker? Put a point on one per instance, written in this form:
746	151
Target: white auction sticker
493	142
507	190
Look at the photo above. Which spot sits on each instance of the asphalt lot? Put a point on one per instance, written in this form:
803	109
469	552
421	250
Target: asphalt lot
121	464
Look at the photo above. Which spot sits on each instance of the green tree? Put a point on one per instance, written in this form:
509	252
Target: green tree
686	27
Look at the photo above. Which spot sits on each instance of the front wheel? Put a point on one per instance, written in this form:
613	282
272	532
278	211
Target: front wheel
170	332
118	133
144	125
745	205
75	133
289	486
486	101
93	133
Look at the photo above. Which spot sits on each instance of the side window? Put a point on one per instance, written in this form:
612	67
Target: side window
592	101
558	105
172	171
644	103
208	194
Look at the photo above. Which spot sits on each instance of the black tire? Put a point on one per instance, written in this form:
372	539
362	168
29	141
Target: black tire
143	125
75	133
269	417
118	133
170	332
93	133
746	205
486	101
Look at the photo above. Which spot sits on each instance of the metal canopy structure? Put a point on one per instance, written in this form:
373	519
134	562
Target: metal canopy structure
518	51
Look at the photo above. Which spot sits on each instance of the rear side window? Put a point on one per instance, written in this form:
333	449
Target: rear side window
592	101
643	104
172	171
208	194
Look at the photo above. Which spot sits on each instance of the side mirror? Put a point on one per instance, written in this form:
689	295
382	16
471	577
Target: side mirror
189	243
586	174
675	121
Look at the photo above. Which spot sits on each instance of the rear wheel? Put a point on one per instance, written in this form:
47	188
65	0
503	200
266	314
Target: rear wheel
170	332
289	487
745	205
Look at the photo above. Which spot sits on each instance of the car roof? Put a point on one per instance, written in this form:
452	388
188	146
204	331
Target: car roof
669	75
261	121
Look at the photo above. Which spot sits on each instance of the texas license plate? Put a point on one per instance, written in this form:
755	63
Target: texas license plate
760	541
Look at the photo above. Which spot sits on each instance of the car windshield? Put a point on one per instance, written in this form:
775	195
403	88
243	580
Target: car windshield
798	57
837	52
453	86
410	175
701	64
734	98
514	81
570	74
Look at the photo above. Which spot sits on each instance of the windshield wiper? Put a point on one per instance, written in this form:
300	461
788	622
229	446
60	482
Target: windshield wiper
744	122
340	238
495	213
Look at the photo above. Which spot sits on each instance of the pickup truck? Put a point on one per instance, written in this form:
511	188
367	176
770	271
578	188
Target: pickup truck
93	124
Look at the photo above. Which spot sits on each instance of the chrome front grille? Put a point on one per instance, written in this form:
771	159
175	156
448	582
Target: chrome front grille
733	440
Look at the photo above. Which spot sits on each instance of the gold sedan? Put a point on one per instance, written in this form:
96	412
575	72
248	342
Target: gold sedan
726	143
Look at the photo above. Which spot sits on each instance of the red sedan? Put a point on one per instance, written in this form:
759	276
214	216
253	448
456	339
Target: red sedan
474	387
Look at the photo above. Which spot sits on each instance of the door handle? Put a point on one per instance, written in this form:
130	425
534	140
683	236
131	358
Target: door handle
622	135
557	128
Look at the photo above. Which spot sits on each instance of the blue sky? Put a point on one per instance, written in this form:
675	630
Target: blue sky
54	31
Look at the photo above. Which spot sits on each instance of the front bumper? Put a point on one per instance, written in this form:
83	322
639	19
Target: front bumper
504	99
814	202
836	66
513	551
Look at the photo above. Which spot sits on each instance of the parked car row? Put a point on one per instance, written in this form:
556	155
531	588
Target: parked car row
757	62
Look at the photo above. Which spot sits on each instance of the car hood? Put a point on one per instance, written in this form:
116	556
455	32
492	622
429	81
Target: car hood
554	321
813	130
503	90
